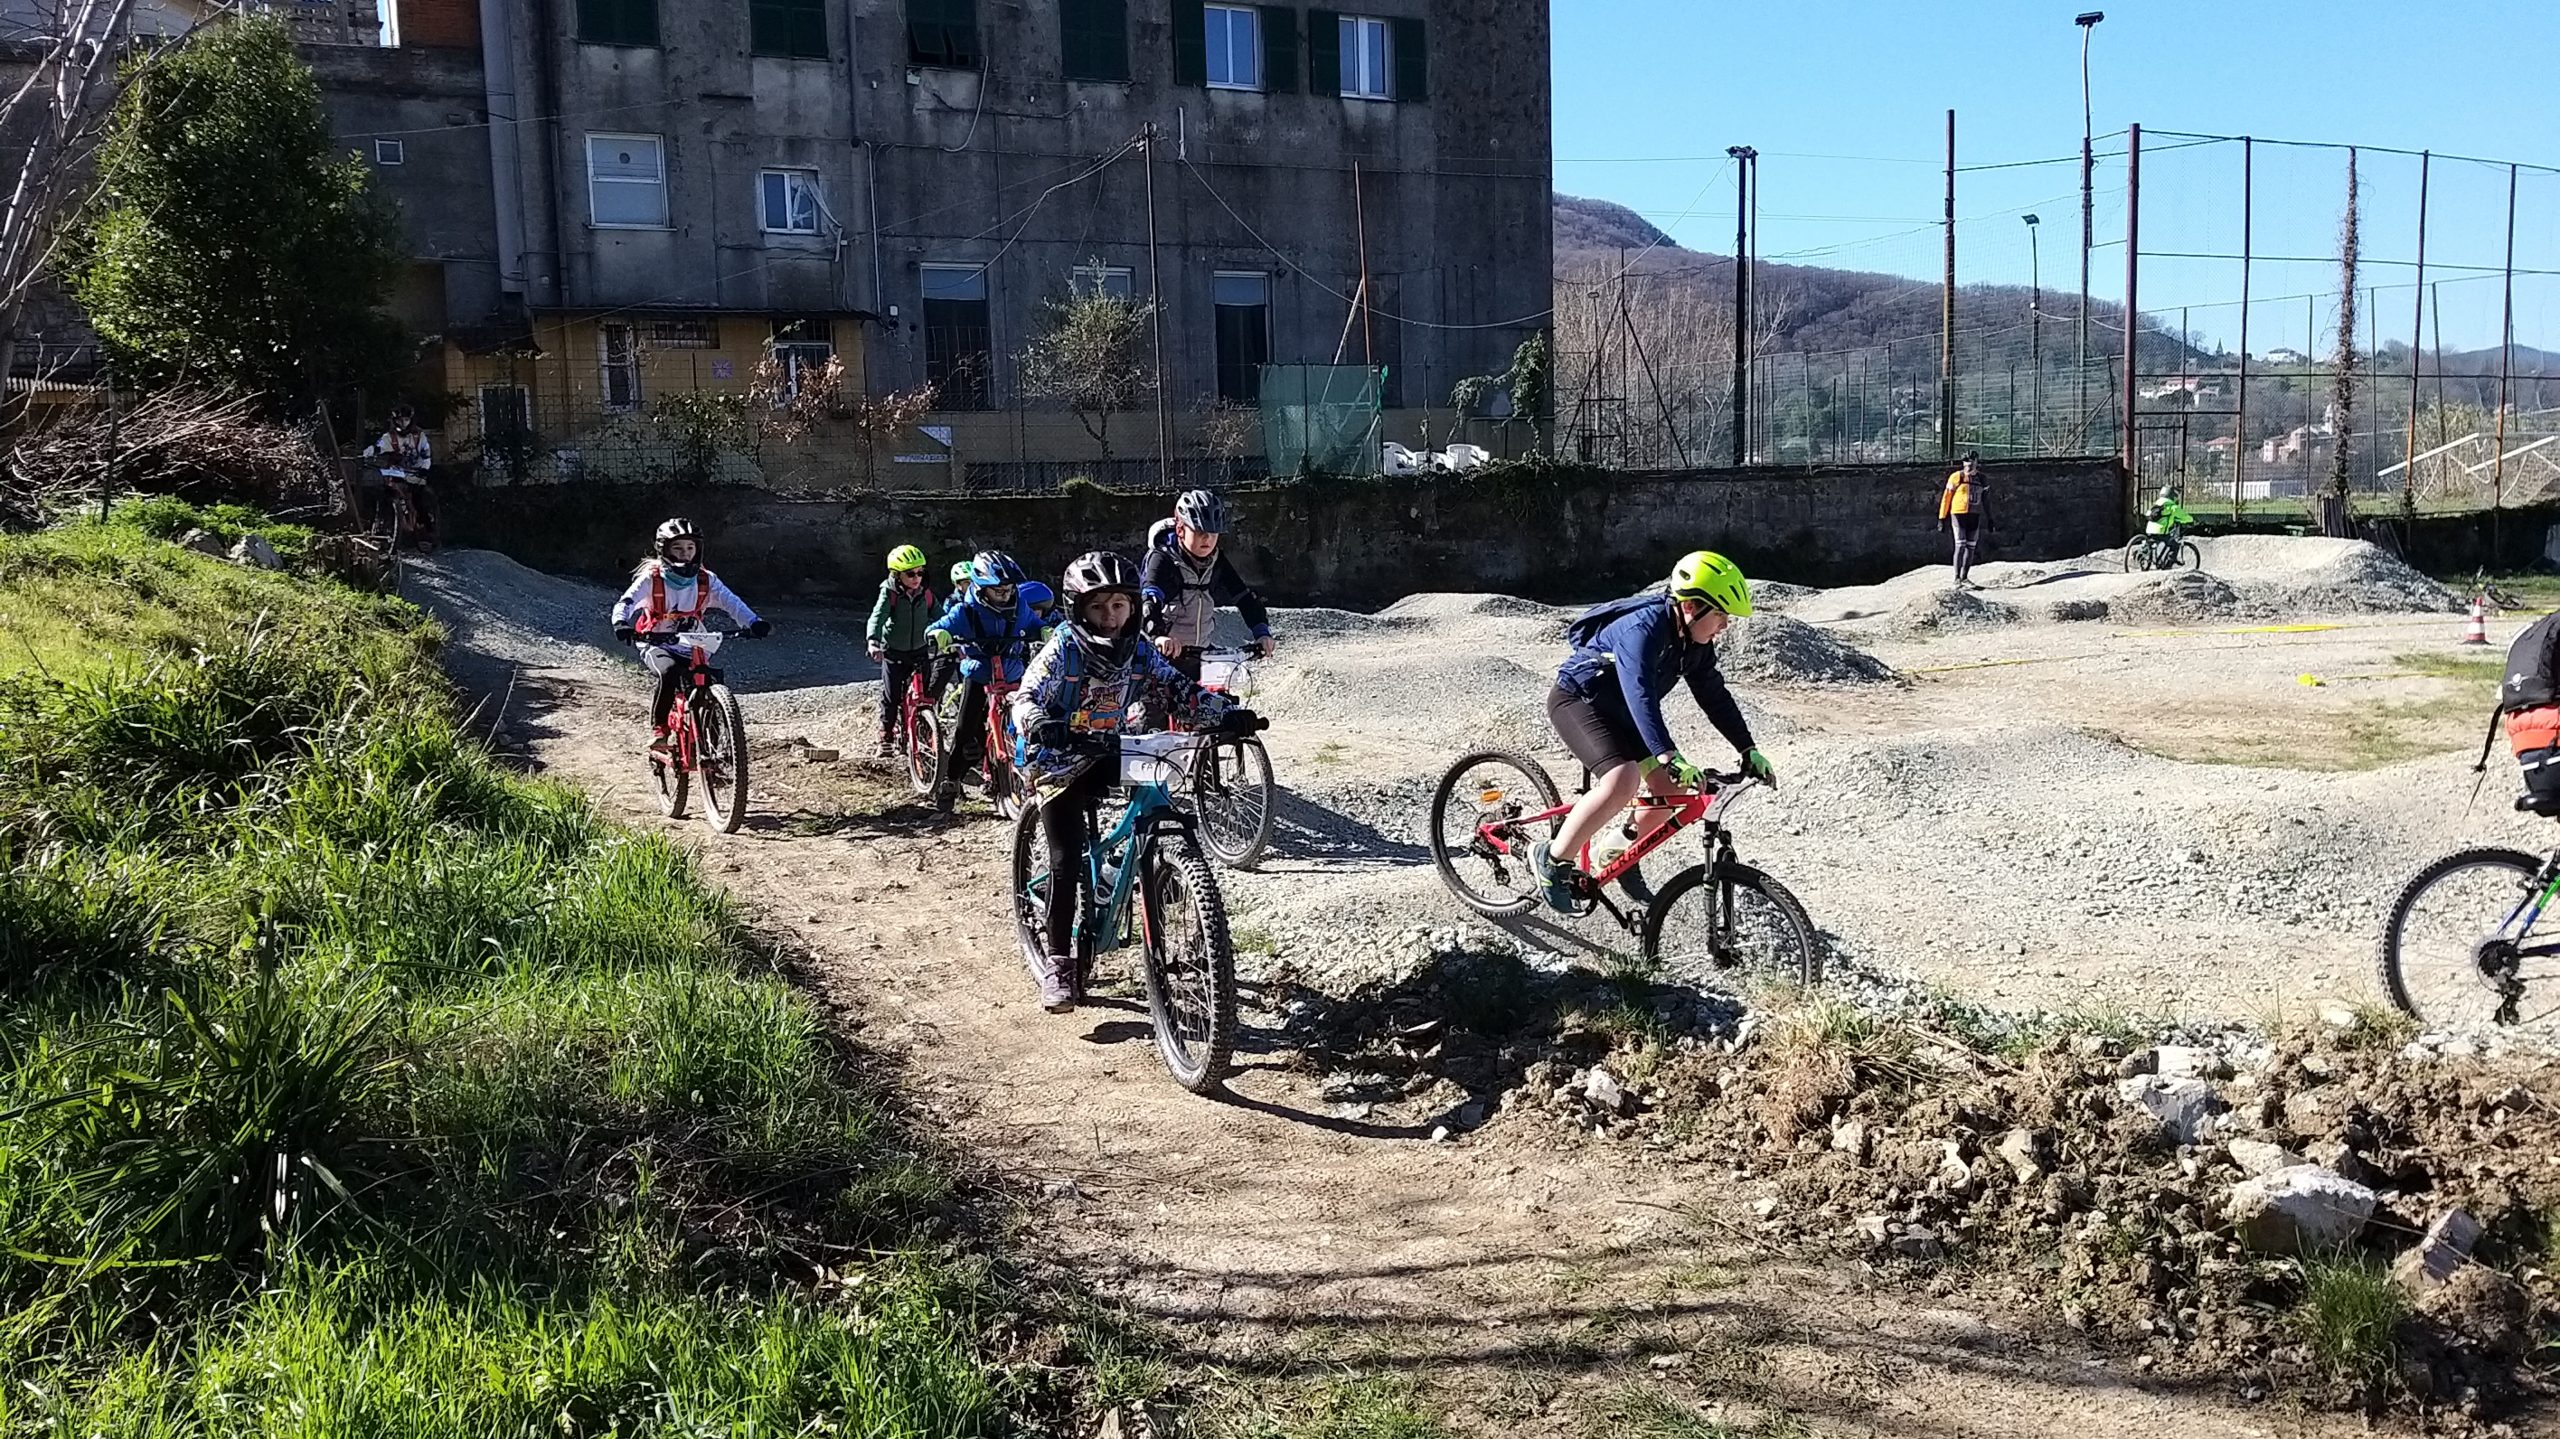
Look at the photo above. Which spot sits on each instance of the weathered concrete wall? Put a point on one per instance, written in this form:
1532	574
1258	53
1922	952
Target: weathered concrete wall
1342	543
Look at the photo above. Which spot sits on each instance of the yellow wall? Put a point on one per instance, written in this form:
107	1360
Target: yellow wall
566	379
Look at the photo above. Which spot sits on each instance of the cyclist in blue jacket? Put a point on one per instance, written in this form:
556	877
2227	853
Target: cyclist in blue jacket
1607	704
991	634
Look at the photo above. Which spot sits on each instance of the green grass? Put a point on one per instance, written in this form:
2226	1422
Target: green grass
2349	1316
2476	665
1375	1407
350	1084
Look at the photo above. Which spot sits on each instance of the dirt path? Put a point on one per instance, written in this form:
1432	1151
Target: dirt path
1540	1288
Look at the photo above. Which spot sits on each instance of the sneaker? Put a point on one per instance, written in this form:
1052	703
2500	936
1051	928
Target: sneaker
1632	885
1055	975
1556	881
887	748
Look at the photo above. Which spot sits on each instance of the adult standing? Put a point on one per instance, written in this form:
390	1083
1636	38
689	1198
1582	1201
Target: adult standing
1960	512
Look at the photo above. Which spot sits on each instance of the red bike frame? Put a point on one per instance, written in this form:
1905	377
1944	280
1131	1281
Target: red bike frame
680	727
999	729
1687	808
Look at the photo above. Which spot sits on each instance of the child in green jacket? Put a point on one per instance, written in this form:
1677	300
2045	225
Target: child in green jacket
898	644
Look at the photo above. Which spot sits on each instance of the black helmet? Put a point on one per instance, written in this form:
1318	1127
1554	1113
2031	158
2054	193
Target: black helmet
402	417
676	529
1202	511
1101	572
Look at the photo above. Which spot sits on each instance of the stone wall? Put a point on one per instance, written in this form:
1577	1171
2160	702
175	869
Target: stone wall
1341	542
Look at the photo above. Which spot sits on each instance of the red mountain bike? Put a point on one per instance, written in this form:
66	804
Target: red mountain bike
1719	917
921	724
995	753
706	736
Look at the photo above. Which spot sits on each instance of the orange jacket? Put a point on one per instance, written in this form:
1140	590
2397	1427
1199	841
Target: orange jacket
1957	498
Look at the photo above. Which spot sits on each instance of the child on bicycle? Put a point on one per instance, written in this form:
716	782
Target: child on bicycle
896	634
1607	705
2167	516
669	594
1187	577
1089	684
404	456
945	665
991	634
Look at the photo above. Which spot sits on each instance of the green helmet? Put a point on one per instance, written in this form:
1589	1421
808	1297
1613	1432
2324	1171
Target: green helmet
960	573
1704	575
904	558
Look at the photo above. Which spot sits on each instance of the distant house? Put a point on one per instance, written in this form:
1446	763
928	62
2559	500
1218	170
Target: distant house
2282	356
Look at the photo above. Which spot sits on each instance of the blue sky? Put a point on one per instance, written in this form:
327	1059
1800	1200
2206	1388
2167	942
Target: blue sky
1846	101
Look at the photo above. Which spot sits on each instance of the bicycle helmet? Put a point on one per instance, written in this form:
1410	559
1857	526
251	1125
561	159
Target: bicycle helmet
1202	511
1705	575
673	530
994	567
1040	597
1102	572
959	574
905	558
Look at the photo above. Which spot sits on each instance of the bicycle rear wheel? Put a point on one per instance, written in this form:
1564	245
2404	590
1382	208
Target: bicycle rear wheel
673	784
1190	961
1730	922
2451	953
1032	891
1496	788
722	758
1231	795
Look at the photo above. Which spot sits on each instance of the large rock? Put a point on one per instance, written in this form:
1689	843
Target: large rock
2184	1107
2259	1156
1602	1091
2440	1255
203	542
2297	1210
256	553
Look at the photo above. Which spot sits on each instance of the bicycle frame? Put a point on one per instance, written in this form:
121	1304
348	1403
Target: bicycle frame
1691	807
699	676
1146	803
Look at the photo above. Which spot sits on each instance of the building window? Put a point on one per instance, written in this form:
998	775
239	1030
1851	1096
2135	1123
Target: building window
1235	47
943	33
1096	38
1117	281
791	29
506	427
618	368
802	347
627	181
618	22
390	152
685	334
1365	75
1243	303
958	348
790	202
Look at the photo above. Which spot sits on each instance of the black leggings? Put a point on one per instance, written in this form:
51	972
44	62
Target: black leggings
1064	815
669	667
897	669
970	736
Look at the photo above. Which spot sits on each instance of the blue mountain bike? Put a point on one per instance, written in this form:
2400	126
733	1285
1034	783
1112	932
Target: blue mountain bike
1146	883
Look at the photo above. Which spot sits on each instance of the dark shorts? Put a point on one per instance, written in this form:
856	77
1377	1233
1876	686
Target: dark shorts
1599	731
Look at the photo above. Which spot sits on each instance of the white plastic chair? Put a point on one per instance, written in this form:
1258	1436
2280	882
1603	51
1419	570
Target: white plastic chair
1458	459
1398	460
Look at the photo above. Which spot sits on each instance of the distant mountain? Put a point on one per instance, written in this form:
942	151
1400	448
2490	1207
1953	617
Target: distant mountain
1584	226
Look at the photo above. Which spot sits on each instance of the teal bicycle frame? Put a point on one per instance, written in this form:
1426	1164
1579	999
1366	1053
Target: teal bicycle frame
1114	861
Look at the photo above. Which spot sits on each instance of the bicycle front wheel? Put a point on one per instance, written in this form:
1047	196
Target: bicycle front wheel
1730	923
2189	557
722	758
2456	948
1491	790
924	743
1231	795
1190	961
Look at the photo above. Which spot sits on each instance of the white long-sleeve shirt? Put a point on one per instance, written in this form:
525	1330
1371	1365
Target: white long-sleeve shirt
411	450
682	597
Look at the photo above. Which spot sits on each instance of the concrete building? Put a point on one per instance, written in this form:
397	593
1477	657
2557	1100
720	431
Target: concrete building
677	185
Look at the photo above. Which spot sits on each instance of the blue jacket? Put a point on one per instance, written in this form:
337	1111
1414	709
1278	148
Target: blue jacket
1630	652
1067	685
992	643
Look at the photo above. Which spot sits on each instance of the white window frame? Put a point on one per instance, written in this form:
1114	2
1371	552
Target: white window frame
798	185
1357	83
606	365
390	152
658	146
1252	18
1118	281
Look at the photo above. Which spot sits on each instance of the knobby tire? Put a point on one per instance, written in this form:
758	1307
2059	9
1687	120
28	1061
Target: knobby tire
2389	956
722	755
1233	777
1205	992
1720	882
1446	860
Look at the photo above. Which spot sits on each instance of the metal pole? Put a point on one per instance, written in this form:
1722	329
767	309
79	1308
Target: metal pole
1947	314
2088	224
2506	347
115	445
2240	422
2417	342
1741	302
2035	327
1155	304
2132	304
1368	303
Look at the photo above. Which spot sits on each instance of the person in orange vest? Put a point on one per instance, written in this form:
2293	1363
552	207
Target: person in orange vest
669	593
1960	512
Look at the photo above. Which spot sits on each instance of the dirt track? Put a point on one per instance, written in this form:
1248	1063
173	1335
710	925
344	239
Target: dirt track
1283	1232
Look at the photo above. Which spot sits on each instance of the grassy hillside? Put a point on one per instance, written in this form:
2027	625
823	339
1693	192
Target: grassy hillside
350	1084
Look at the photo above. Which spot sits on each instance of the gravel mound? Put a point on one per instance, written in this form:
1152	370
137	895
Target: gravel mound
1949	611
2282	574
1773	649
2185	598
1776	597
1463	606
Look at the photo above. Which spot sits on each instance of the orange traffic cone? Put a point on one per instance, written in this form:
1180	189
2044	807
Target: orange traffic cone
2475	631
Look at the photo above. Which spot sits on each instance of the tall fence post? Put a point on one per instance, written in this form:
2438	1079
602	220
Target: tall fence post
2240	423
2506	357
2132	311
2417	342
1947	314
1741	305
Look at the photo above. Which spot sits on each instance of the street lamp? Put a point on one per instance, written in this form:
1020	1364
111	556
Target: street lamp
2035	317
2087	20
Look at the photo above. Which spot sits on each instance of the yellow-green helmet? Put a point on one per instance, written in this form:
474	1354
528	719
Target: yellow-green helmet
905	557
1705	575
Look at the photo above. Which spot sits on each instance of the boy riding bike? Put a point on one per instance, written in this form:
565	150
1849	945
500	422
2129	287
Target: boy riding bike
669	593
403	456
897	639
1187	577
2167	516
1094	678
992	634
1607	705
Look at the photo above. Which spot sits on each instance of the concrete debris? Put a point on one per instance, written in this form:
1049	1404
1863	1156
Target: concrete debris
2025	1153
2256	1157
1875	1229
1918	1241
1602	1091
204	543
1850	1137
254	552
2184	1107
2437	1257
2303	1209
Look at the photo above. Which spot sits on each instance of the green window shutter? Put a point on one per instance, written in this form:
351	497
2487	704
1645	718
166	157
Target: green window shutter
1095	36
1279	49
1324	52
1190	42
1412	62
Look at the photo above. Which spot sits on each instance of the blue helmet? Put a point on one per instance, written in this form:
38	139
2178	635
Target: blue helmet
994	567
1039	596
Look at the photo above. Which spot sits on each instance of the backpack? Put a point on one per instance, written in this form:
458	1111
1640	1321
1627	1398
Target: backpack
2529	707
1585	630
